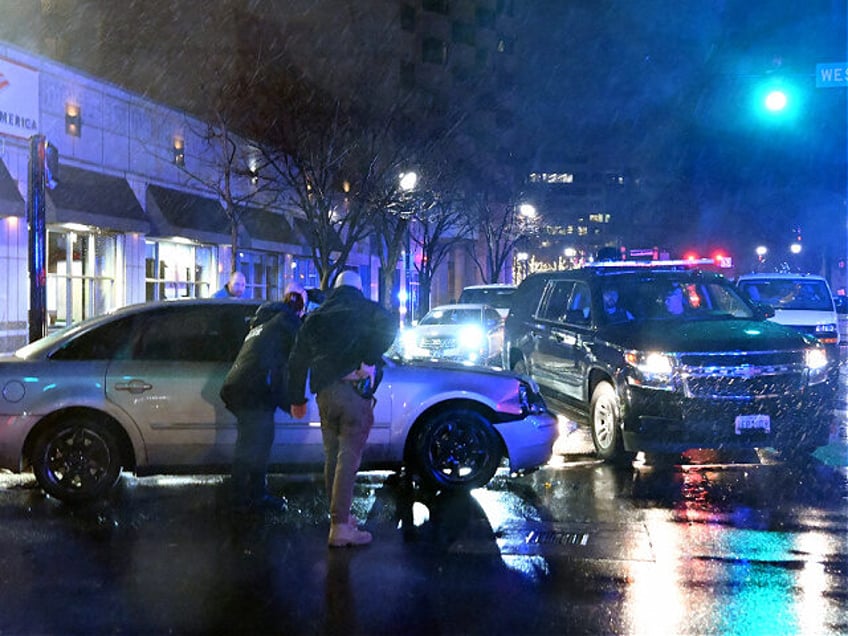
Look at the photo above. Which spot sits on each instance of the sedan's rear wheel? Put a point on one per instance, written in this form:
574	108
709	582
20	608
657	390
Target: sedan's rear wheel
457	449
77	459
605	419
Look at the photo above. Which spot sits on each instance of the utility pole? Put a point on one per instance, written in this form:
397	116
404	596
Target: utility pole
43	168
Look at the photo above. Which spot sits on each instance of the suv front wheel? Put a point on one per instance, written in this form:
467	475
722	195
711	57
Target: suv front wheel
604	414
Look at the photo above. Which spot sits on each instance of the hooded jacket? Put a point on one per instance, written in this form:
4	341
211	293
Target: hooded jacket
345	331
259	375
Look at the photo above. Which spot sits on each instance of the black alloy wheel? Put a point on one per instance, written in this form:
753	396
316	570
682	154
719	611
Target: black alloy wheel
77	459
458	449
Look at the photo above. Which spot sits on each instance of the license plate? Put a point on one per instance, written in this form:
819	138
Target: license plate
760	423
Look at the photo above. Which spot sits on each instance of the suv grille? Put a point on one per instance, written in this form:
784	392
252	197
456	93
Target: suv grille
743	375
438	343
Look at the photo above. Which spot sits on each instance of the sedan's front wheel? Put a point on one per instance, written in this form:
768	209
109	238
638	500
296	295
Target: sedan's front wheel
457	449
77	459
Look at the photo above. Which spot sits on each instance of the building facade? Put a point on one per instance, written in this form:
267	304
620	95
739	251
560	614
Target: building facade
131	219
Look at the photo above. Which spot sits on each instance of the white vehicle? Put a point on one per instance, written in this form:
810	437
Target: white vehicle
138	390
471	334
497	295
802	301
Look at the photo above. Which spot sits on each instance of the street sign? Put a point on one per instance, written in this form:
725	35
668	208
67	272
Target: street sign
832	75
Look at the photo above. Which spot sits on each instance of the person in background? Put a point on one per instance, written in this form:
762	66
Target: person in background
612	311
256	385
340	345
234	287
674	302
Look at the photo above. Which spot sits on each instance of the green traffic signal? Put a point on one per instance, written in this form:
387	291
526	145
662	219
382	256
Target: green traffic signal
776	101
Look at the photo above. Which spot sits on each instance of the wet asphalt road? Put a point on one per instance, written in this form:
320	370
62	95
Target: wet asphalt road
713	545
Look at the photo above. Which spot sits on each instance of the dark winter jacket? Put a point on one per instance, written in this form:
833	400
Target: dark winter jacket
345	331
259	376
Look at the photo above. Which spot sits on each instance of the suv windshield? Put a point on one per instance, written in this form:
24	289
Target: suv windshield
497	297
800	294
452	317
668	298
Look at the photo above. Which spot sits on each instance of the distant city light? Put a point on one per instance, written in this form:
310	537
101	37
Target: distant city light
795	248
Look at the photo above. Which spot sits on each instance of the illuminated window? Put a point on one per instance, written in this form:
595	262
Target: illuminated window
81	269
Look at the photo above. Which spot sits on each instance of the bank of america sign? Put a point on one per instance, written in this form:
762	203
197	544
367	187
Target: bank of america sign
18	99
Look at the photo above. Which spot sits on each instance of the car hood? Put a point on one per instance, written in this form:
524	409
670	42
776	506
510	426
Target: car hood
704	335
435	331
444	367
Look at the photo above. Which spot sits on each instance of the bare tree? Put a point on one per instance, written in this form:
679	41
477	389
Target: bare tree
499	226
438	229
231	173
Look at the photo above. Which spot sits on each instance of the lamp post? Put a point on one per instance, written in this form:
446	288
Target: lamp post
407	182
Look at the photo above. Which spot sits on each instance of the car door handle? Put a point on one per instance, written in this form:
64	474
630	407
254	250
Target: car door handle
133	386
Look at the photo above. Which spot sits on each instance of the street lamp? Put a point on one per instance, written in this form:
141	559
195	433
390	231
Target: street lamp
407	182
527	210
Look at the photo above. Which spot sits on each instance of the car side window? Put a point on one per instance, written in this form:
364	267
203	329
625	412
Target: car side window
579	305
555	304
192	334
492	318
103	343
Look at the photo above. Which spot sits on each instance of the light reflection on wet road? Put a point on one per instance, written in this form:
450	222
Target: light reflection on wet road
742	545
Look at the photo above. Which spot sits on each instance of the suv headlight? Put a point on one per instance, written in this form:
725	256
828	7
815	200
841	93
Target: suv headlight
650	369
816	362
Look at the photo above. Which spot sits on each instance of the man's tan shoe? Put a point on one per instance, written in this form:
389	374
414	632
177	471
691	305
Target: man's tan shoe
347	534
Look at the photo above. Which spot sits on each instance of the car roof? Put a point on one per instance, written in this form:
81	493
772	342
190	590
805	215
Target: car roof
490	286
627	269
474	306
780	276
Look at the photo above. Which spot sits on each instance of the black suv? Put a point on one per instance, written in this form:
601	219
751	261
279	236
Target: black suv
666	358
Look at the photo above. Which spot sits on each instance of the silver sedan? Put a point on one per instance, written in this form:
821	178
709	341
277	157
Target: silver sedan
137	390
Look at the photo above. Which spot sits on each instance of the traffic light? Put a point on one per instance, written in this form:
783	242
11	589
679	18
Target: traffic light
777	101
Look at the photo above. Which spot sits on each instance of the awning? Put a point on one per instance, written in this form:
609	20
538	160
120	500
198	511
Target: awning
11	201
269	230
177	213
95	199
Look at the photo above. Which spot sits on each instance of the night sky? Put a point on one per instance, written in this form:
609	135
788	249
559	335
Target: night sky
659	89
665	89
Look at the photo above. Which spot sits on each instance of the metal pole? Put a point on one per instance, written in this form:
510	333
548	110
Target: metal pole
36	212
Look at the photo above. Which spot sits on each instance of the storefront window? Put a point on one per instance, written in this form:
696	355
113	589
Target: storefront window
263	274
80	275
303	271
178	270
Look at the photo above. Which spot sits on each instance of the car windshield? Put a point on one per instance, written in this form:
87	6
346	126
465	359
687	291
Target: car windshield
496	297
795	294
676	299
452	316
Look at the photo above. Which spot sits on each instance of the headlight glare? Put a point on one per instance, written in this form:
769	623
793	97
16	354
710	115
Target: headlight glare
471	337
816	359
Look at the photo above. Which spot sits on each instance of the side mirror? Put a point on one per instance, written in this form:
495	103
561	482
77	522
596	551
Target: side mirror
763	311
